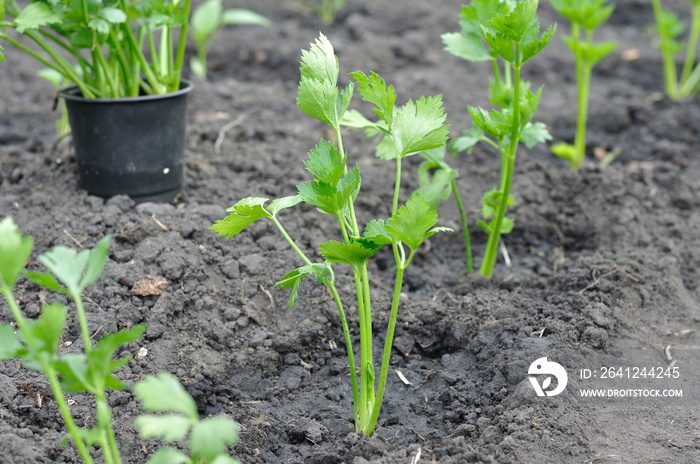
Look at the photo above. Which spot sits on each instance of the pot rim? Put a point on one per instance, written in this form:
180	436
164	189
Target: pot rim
73	93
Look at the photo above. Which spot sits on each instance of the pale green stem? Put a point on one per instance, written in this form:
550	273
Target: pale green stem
693	38
180	57
507	166
388	341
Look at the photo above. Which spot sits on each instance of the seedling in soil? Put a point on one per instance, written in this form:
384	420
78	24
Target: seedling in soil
412	128
178	418
36	344
586	16
669	27
507	34
326	10
207	20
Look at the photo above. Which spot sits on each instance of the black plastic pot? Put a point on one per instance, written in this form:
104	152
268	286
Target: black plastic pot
130	146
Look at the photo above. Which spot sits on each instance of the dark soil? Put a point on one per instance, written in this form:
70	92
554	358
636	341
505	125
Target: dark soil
604	260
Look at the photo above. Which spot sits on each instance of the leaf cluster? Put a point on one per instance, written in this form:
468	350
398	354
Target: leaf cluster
176	419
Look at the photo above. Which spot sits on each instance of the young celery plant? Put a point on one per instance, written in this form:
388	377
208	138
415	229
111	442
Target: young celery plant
410	129
670	27
586	16
37	346
207	20
507	34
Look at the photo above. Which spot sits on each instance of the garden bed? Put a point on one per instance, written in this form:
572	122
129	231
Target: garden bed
604	260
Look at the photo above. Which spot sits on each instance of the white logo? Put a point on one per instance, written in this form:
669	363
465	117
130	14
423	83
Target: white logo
543	367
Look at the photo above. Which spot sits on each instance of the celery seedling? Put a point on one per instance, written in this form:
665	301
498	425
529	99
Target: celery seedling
669	28
208	438
586	16
507	34
37	346
410	129
207	20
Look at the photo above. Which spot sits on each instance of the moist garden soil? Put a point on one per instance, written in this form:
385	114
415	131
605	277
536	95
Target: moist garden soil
604	261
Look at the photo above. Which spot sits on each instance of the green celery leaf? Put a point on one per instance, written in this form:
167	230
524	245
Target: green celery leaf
354	253
325	163
385	149
435	177
243	213
97	259
168	455
14	252
36	15
375	234
490	202
535	46
318	94
164	393
534	133
279	204
330	199
211	436
467	141
10	346
411	223
319	63
75	270
293	278
355	120
419	126
49	326
168	427
318	100
46	280
112	15
73	370
242	16
374	90
499	44
518	23
468	46
92	436
100	362
99	25
528	106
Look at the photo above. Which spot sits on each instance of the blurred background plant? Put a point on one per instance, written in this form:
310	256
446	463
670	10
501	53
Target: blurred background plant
208	19
326	10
